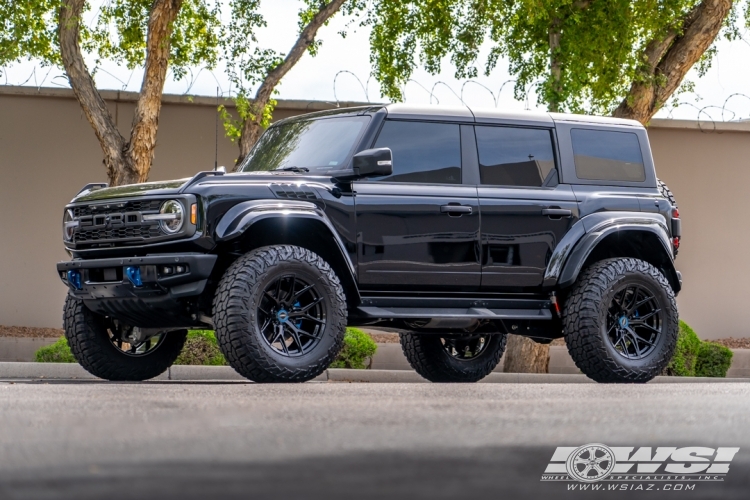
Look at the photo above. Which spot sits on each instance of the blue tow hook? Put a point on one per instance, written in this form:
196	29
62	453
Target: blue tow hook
133	273
74	279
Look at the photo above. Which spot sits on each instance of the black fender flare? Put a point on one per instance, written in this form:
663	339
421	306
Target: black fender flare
241	217
571	253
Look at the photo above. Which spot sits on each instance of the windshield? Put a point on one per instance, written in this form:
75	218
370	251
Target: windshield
317	145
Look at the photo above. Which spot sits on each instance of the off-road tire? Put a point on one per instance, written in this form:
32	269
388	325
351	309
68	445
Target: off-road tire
89	342
236	322
585	319
428	357
666	192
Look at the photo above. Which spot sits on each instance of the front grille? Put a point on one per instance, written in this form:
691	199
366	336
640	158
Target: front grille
122	233
117	207
116	222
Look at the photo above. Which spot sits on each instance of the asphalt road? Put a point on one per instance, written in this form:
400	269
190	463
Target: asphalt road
335	440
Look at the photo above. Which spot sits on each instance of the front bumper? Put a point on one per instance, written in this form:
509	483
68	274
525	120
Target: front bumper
141	291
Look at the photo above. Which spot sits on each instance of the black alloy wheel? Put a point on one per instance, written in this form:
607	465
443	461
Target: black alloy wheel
621	321
634	322
291	315
280	314
465	348
125	339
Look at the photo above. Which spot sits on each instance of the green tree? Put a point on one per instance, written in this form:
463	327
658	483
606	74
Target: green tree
152	34
268	68
625	57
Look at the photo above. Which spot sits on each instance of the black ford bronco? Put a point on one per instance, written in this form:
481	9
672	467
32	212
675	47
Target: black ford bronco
456	226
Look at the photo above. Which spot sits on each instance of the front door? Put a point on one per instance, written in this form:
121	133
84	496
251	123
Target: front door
418	229
525	213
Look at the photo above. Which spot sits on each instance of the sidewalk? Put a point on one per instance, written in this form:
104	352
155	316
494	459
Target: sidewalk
19	371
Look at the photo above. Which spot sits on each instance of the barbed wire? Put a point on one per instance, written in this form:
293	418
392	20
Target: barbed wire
707	115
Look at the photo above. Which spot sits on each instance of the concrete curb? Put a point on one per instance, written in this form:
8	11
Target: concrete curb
71	371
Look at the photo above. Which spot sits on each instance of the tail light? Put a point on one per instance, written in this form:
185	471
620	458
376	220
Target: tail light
676	229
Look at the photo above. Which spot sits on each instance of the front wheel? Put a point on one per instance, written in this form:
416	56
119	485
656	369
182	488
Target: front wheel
455	358
280	315
621	321
111	350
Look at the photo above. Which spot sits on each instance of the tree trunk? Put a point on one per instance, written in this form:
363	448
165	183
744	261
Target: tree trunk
146	118
126	162
523	355
668	59
111	141
554	65
252	128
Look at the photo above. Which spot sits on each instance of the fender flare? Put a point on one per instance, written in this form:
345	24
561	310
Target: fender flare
241	217
571	253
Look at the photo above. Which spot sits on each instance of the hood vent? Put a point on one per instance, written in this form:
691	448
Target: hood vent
293	191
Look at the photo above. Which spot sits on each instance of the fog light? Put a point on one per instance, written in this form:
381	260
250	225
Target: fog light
179	269
74	279
167	270
133	273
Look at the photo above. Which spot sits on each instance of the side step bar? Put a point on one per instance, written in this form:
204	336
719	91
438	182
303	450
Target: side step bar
473	312
428	307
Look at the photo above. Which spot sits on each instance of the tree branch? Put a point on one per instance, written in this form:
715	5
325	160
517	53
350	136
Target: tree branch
94	107
668	60
146	119
252	128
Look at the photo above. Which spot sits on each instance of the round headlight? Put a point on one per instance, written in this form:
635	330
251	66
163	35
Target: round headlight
173	216
69	225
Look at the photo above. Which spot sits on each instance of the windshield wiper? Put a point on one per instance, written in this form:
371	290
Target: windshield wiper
299	170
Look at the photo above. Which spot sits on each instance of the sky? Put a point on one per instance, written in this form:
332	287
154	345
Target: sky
341	72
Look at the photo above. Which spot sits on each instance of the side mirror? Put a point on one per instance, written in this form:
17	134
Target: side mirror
373	162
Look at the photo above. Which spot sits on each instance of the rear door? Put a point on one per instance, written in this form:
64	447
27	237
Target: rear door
418	229
525	211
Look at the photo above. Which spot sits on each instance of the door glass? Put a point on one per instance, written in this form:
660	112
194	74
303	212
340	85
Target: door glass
604	155
514	156
422	152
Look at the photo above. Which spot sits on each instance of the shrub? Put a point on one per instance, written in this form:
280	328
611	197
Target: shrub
59	352
713	360
358	347
686	353
201	348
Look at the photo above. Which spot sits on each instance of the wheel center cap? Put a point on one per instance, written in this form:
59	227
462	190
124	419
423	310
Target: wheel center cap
624	322
282	315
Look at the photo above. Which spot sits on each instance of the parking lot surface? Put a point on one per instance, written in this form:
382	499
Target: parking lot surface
91	439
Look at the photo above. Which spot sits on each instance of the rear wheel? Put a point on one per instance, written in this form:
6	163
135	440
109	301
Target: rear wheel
453	358
621	321
111	350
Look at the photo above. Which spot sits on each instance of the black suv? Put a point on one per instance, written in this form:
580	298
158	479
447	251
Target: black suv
457	226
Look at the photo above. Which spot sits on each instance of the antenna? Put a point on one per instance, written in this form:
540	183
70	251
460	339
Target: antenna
216	131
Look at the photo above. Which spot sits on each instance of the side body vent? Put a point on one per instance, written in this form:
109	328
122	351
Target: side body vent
293	191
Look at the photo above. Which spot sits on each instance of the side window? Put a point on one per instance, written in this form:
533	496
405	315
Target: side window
603	155
422	152
511	156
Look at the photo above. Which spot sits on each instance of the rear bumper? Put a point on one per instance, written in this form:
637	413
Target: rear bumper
148	297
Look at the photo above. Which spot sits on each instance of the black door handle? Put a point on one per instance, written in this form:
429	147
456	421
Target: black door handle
455	209
557	212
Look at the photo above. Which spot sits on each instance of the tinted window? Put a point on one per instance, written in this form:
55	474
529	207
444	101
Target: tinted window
422	152
319	145
603	155
514	156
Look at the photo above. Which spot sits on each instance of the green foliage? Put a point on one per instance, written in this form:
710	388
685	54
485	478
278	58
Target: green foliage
358	347
713	360
201	348
600	52
59	352
685	355
244	110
